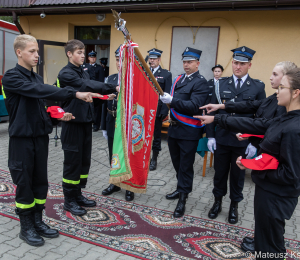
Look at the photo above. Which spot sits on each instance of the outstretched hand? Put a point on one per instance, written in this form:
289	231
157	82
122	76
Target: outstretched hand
239	163
67	117
212	107
240	138
87	96
111	96
205	120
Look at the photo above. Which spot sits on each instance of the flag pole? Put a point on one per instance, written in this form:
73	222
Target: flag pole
120	24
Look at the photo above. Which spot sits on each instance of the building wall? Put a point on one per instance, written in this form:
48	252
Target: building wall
273	34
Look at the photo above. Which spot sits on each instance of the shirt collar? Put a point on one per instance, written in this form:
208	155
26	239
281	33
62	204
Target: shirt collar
191	74
243	79
215	80
71	65
155	69
24	70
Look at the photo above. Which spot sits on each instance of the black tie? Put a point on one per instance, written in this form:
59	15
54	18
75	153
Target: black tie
238	86
152	70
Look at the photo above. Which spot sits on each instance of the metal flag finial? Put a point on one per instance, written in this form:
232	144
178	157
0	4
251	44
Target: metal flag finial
120	23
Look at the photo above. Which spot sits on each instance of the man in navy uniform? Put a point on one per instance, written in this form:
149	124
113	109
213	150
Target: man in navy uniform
96	72
164	79
108	120
218	71
188	91
239	87
103	63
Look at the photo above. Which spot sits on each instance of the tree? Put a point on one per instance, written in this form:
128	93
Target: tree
7	19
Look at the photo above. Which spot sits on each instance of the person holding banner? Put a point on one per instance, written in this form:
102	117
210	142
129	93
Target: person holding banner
188	90
164	79
76	137
108	121
239	87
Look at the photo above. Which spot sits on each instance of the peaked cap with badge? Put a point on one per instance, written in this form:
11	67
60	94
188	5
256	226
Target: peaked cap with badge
191	54
92	54
155	53
243	54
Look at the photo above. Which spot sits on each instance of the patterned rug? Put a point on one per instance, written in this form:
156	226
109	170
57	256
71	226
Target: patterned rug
140	231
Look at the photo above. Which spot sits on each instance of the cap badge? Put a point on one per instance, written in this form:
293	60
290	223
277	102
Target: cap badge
153	50
187	49
243	49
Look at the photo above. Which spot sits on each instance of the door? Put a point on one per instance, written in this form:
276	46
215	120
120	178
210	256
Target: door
52	60
206	40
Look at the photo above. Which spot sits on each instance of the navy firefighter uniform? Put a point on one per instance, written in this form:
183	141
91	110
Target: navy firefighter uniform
29	126
227	147
189	92
164	79
76	137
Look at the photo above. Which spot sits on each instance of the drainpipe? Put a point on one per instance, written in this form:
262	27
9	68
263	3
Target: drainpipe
15	19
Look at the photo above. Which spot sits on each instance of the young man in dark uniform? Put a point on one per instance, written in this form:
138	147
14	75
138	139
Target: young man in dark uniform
29	126
96	72
239	87
76	137
190	90
164	79
218	71
109	112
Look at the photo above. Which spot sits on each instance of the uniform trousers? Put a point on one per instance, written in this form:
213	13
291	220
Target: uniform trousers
183	154
28	168
225	161
110	142
97	116
270	213
76	141
156	145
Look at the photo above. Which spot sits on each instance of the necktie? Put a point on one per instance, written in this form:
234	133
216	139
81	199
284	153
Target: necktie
152	70
238	86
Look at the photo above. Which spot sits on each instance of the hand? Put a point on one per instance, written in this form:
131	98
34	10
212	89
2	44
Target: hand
250	151
118	89
211	144
166	98
206	119
212	107
111	96
239	163
87	96
67	117
104	132
241	138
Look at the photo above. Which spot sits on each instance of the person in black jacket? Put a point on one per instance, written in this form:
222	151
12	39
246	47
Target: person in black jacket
29	126
218	71
96	72
239	87
76	136
267	108
188	90
108	120
276	191
164	79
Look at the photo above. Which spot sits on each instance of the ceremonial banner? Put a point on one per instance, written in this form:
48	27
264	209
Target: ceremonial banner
136	112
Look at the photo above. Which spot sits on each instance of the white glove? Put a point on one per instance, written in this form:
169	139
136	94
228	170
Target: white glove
166	98
104	132
211	144
250	151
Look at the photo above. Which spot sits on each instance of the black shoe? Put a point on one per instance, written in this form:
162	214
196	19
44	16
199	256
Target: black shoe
95	129
248	240
28	232
110	189
129	195
41	228
153	162
216	208
72	206
180	208
248	247
233	215
173	196
85	202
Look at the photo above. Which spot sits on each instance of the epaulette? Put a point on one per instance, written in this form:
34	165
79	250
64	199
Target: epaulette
223	78
257	80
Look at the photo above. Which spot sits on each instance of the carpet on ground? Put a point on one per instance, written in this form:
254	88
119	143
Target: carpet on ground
139	231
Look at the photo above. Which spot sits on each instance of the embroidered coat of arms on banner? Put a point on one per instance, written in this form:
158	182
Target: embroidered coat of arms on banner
134	127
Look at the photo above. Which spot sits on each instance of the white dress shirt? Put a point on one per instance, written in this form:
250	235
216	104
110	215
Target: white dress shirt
243	79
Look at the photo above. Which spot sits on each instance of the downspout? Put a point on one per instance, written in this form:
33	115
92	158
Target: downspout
15	19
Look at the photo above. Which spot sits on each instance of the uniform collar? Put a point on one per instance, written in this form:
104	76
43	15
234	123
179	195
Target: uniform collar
24	70
243	79
156	69
71	65
289	115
